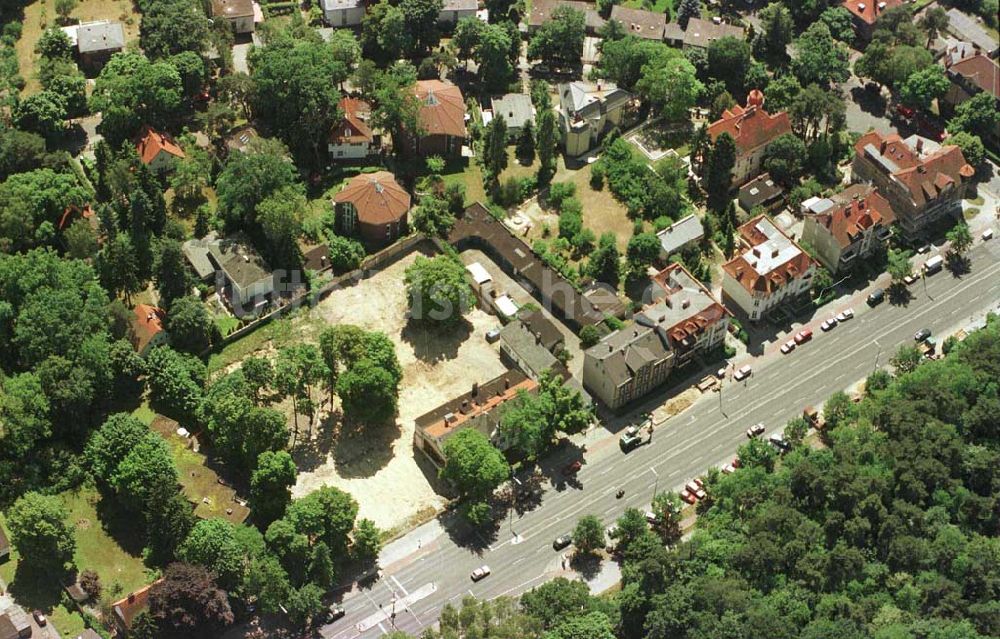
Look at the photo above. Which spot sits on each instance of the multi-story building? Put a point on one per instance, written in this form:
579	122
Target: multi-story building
847	227
682	319
971	75
695	321
700	34
587	111
627	364
343	13
752	128
769	269
922	180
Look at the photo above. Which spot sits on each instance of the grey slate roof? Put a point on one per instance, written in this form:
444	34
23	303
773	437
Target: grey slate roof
240	262
680	233
626	351
701	33
196	252
515	108
584	98
965	26
92	38
520	339
758	192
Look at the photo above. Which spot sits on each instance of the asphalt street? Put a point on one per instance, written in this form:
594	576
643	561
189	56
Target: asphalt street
705	435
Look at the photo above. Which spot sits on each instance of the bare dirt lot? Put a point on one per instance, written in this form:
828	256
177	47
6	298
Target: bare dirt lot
378	466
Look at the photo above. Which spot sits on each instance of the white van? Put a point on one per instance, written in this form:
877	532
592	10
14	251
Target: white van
987	234
933	265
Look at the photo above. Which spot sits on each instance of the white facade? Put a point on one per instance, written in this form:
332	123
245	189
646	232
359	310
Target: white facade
348	150
342	13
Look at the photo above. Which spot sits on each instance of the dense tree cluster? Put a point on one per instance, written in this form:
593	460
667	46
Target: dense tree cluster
889	531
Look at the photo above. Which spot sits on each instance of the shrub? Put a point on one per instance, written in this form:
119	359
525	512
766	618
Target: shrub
559	192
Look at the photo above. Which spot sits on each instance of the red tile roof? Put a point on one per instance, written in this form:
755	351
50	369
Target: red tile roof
980	71
149	143
70	214
856	209
869	10
924	177
443	108
352	128
378	198
128	608
743	271
147	322
751	127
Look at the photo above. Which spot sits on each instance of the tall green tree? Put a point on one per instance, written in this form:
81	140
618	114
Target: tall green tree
494	158
819	58
40	532
588	535
437	291
295	93
719	173
473	465
559	41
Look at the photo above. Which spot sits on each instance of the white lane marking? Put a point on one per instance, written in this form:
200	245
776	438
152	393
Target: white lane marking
396	581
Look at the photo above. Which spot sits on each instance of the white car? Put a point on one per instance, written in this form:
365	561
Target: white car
846	314
828	325
742	373
755	431
480	573
788	347
729	469
650	516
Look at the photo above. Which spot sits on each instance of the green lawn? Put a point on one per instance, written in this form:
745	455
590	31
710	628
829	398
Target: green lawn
120	571
659	6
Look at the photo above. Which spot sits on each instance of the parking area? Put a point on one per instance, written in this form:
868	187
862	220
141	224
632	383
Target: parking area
521	296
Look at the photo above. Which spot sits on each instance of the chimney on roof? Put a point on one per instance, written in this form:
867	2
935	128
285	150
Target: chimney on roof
685	303
506	383
475	389
774	253
611	349
131	597
756	251
739	273
920	145
921	168
465	406
882	146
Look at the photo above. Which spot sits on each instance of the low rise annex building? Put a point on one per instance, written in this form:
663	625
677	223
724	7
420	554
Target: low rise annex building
479	409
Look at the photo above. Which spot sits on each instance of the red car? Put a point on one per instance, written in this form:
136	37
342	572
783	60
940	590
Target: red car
803	336
688	496
736	462
905	111
572	468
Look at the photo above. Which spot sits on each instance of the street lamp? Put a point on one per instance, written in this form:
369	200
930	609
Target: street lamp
877	354
656	483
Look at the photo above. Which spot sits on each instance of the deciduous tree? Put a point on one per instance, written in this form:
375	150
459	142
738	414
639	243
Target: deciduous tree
437	291
188	603
40	532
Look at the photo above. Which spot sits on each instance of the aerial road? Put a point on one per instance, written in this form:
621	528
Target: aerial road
412	589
